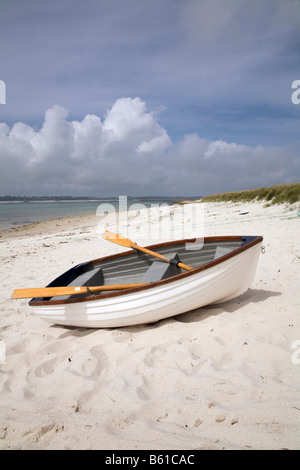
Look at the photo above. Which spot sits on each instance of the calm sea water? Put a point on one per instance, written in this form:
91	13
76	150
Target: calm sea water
17	214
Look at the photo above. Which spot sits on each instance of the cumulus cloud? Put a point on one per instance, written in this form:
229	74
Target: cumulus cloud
129	152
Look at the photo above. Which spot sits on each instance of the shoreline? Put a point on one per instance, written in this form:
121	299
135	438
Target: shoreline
279	211
15	215
51	225
221	377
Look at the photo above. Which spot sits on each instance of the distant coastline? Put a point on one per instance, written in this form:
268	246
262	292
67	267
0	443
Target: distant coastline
16	201
52	199
26	199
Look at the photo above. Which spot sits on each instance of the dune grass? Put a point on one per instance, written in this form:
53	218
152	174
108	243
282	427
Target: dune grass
283	193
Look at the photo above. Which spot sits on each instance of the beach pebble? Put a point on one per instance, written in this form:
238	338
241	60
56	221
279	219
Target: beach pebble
198	422
220	418
164	416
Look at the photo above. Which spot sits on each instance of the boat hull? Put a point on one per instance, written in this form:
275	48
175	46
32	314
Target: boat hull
217	283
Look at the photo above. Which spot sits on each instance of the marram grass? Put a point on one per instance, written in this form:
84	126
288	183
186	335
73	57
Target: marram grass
282	193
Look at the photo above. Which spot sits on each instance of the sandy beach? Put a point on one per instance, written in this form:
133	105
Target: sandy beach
220	377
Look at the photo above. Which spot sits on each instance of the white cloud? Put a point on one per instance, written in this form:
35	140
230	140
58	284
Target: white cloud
129	152
128	119
222	149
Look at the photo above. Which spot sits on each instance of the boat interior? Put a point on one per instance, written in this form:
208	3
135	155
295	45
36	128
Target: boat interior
136	267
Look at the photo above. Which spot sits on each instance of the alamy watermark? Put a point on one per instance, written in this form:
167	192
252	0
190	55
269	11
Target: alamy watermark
296	94
2	353
2	92
296	354
158	223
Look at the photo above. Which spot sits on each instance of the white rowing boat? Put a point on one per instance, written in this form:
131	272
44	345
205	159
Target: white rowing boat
146	289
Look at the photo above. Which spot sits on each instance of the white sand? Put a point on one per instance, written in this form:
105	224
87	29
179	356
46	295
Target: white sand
221	377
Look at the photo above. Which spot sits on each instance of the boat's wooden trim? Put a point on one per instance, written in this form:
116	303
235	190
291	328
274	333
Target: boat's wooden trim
248	242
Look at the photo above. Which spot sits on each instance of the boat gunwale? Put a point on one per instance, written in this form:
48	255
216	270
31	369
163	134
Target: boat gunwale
254	240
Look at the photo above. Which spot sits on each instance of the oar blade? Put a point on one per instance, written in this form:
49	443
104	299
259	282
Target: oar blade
47	292
118	239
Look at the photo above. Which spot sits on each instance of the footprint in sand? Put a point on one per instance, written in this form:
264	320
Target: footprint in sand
46	368
89	365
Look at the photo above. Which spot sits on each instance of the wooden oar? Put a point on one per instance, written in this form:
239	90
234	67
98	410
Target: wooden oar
119	240
68	290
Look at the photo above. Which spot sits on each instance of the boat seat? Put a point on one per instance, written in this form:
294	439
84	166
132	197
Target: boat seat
160	269
221	251
93	277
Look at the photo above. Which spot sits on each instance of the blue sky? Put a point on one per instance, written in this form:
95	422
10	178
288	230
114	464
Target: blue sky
154	97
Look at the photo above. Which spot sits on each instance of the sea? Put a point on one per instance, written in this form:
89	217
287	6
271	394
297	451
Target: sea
17	214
